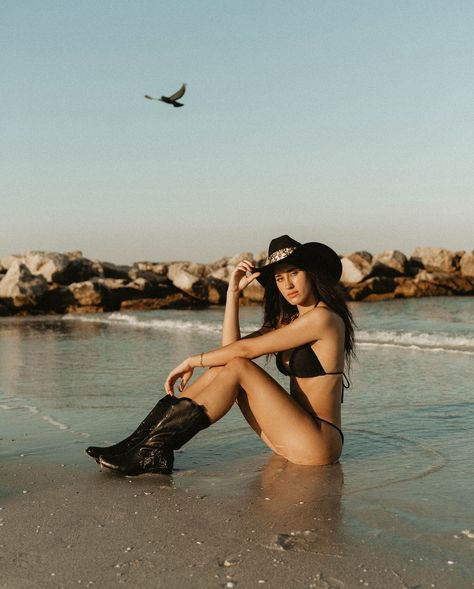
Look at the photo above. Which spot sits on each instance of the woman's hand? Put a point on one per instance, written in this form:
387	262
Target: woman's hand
238	279
184	371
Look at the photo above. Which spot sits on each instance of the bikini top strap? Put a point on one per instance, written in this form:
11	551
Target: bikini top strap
346	383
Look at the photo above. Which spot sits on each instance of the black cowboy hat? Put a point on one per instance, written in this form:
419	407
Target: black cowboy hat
313	256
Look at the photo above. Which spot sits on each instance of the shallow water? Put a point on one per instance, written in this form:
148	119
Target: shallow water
405	475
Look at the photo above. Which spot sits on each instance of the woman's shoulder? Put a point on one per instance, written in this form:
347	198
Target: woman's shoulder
324	316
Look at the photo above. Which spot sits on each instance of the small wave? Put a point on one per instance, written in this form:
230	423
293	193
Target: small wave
433	342
15	404
166	324
54	422
135	322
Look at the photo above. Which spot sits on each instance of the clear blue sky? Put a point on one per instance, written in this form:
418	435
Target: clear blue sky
348	122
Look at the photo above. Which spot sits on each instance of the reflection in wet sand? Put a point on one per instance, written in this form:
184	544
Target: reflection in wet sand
299	507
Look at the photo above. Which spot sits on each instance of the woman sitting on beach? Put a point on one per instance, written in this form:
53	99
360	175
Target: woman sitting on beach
310	329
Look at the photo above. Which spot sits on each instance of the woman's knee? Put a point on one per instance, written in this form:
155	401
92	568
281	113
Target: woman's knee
238	363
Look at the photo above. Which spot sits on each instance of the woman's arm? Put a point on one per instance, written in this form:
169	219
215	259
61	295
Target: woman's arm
237	282
309	327
231	325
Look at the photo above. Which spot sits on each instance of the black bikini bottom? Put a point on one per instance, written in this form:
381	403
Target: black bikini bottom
334	426
319	418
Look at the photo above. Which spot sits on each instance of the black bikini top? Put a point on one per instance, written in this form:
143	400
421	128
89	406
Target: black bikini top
304	363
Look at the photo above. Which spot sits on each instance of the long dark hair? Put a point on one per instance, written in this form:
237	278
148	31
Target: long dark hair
278	311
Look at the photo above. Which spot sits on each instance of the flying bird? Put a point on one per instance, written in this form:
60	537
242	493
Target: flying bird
173	99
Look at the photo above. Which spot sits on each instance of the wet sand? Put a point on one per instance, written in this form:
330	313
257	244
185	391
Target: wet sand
258	523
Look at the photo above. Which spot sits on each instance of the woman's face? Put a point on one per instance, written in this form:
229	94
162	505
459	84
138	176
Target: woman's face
294	284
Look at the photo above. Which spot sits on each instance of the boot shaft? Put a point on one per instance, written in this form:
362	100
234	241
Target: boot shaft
182	421
138	435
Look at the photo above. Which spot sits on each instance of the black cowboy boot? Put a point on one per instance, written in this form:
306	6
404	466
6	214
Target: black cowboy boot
138	435
183	420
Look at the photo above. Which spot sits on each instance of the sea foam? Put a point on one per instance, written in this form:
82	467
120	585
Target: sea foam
431	342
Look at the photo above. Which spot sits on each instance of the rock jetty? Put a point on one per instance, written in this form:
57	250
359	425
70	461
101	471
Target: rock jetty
39	282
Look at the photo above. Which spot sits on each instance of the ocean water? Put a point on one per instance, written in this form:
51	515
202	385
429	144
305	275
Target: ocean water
407	464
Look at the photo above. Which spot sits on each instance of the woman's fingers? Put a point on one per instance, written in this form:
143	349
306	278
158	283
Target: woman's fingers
245	266
169	383
169	388
253	276
184	380
173	376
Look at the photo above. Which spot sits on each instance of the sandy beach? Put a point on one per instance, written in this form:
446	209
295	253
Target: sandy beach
395	513
65	525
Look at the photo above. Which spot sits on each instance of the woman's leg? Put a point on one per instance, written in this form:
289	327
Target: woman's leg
287	428
244	406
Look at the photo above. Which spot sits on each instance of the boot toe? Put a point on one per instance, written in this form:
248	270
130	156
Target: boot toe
93	451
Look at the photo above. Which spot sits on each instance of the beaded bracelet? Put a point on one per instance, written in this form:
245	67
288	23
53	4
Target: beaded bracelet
200	361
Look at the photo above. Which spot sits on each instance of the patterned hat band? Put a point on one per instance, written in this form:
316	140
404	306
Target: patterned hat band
281	254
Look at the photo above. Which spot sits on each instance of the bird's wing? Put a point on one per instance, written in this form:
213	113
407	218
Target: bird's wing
179	93
150	97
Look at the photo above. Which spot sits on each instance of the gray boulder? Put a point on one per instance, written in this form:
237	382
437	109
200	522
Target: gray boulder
148	275
158	268
79	269
210	290
260	258
21	286
356	267
41	262
448	283
174	268
57	299
110	270
87	293
181	277
179	300
56	267
217	291
234	260
7	261
224	272
434	284
116	291
372	289
221	274
218	264
466	264
253	293
434	258
389	263
419	286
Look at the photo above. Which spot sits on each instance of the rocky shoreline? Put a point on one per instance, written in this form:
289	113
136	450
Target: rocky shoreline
38	282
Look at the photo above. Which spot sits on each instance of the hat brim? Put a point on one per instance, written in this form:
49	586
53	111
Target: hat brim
313	256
